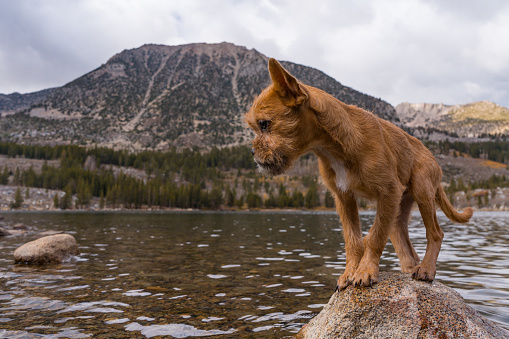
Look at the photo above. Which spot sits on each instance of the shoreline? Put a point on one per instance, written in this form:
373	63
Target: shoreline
191	210
41	200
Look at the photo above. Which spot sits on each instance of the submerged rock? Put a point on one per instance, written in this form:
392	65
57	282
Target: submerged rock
17	232
6	232
20	226
399	307
46	233
49	249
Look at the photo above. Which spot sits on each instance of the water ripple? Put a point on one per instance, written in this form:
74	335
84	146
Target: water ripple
161	274
174	330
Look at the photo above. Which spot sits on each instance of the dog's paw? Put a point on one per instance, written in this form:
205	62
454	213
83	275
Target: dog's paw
408	265
366	275
424	273
348	275
344	280
365	279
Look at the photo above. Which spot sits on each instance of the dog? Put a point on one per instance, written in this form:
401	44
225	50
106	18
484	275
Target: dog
359	155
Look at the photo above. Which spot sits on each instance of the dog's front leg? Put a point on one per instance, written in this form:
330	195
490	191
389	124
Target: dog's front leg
374	242
354	248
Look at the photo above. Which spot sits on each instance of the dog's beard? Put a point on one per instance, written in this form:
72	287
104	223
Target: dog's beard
273	168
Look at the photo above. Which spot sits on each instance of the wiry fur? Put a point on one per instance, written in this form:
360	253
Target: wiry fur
359	154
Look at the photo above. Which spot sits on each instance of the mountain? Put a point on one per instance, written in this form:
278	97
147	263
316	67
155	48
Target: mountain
470	120
160	96
15	102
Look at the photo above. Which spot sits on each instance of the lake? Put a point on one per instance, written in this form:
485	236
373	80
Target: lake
228	275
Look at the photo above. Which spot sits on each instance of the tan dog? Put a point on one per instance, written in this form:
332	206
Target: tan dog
359	155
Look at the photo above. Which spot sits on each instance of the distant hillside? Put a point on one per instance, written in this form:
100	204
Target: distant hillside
15	102
159	96
470	120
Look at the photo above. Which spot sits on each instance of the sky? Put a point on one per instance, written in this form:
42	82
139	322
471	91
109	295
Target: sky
434	51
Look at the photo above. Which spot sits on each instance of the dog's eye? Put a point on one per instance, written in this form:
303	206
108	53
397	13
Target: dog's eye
264	125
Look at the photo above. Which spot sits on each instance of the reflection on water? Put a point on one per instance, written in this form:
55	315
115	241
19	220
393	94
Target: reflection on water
142	275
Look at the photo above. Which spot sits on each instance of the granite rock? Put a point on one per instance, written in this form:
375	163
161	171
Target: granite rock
49	249
399	307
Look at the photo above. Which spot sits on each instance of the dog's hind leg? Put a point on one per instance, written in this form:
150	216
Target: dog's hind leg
426	270
400	239
349	215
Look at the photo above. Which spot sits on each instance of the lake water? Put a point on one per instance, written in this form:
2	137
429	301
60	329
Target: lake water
228	275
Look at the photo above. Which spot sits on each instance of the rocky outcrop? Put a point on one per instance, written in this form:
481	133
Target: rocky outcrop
422	114
468	121
49	249
399	307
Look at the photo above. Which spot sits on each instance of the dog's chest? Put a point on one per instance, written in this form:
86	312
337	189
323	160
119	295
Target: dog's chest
340	172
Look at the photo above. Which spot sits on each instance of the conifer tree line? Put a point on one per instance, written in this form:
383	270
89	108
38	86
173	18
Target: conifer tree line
189	178
184	178
496	150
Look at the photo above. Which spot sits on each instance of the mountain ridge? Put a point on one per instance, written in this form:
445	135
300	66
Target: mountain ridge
471	120
158	96
15	102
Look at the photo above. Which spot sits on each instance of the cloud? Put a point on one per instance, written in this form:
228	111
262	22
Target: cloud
399	50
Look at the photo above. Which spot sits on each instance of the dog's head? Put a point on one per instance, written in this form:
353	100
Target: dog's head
279	120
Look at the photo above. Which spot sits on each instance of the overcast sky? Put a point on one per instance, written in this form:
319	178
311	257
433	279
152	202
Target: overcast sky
437	51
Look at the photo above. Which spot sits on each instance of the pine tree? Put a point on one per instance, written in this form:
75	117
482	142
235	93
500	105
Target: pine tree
271	201
216	197
56	201
240	202
84	194
329	200
101	200
297	199
4	177
66	201
17	177
461	186
18	199
283	198
312	198
253	200
230	197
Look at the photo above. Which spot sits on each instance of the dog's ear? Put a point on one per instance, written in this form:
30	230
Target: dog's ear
286	86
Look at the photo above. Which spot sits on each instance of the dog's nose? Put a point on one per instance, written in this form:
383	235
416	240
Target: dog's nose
253	151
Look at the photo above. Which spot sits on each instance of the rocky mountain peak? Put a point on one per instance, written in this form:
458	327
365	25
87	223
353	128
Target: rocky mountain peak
158	96
421	114
468	120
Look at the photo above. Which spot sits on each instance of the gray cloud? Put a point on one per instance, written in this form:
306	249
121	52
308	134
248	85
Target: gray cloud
399	50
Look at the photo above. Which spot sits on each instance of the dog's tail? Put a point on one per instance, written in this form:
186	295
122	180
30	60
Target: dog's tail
448	209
